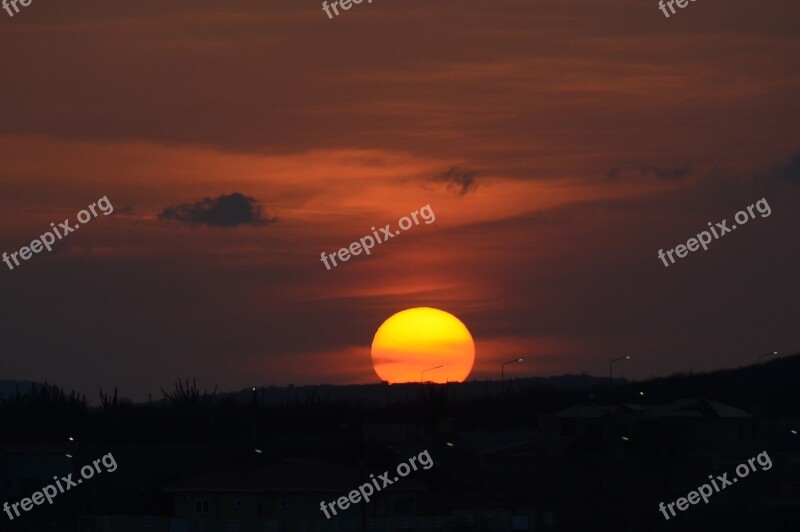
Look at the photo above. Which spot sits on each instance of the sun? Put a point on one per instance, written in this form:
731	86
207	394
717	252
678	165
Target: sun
419	339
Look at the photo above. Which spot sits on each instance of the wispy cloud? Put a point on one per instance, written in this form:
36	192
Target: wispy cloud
458	181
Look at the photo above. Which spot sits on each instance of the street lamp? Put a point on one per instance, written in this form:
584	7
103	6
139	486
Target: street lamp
762	357
503	368
611	364
422	373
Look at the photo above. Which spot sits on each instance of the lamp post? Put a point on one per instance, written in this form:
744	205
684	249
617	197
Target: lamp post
611	365
762	357
503	368
422	373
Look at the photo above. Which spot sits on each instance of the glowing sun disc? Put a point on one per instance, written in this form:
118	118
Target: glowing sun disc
419	339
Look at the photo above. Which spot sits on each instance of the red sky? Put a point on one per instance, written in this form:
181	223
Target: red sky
594	134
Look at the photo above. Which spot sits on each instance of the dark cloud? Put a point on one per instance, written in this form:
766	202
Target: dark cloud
458	181
224	211
790	170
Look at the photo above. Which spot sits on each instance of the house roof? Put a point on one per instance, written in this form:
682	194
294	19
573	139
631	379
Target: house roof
700	408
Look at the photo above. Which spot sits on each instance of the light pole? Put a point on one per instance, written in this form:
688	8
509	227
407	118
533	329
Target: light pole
503	368
422	373
610	366
762	357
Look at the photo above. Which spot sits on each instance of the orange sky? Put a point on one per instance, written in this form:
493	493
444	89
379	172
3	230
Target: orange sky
589	134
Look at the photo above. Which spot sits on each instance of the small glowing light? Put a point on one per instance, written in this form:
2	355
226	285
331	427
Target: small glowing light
625	438
258	451
794	432
641	393
449	444
71	438
254	388
68	455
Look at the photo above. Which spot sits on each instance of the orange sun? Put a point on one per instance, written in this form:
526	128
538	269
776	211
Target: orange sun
420	340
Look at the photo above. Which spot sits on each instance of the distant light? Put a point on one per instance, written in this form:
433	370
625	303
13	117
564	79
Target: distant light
794	432
451	445
71	438
641	393
519	360
625	438
254	388
68	455
258	451
627	357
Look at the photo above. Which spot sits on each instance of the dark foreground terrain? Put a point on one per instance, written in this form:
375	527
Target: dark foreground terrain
562	454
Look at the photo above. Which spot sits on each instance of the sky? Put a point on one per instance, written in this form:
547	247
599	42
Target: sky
560	144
